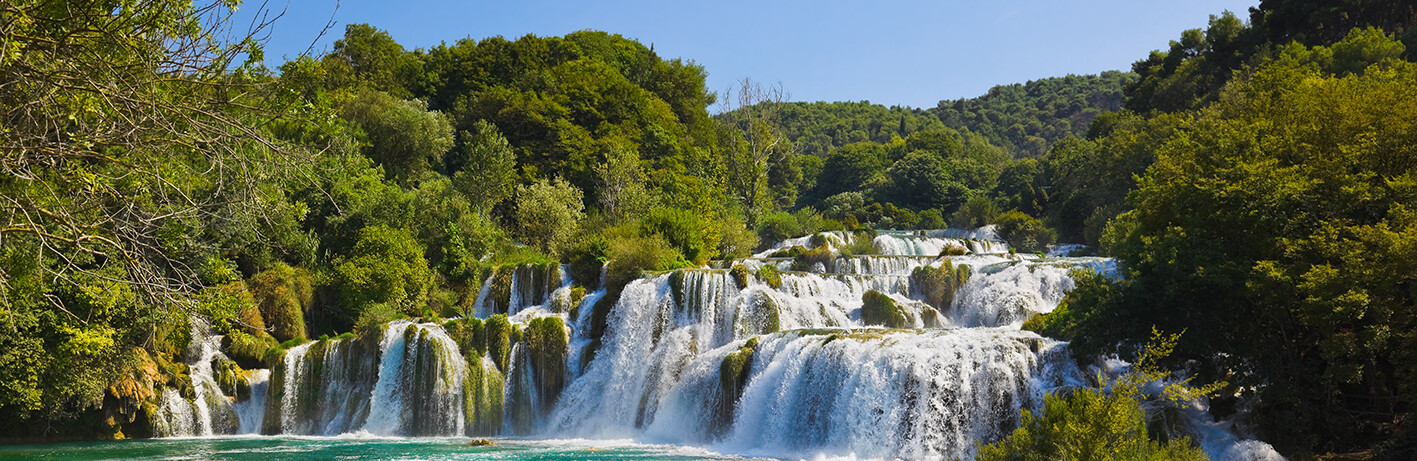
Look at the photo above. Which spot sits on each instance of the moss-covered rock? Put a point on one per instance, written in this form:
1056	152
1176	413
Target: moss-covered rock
246	350
733	372
545	339
482	392
471	336
818	240
740	275
769	275
938	285
499	340
499	294
283	294
879	309
130	393
761	315
789	252
809	259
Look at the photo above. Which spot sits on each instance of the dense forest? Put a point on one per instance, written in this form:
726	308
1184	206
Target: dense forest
1257	180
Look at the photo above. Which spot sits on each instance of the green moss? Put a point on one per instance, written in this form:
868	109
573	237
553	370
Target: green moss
499	340
273	356
676	287
500	293
789	252
818	241
248	350
546	340
812	257
769	275
283	294
740	275
939	284
879	309
762	317
733	372
954	250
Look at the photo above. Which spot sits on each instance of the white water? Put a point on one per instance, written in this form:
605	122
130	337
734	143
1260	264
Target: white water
818	382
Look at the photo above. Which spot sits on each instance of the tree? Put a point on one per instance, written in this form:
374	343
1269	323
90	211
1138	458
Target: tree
131	130
486	167
749	141
404	136
547	214
385	267
1276	230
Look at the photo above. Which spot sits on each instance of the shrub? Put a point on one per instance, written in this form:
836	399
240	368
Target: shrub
739	273
547	214
931	219
810	258
735	240
629	256
777	227
769	275
978	211
1087	424
684	230
386	266
1024	232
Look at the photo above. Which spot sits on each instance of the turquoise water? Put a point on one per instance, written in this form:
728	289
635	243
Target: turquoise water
345	448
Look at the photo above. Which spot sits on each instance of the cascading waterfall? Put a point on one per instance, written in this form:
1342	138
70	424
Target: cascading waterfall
775	363
870	392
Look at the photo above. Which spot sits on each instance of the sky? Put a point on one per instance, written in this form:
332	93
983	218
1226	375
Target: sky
891	52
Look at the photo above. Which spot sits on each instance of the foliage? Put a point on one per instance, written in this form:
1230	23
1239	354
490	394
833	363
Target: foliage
1023	232
404	136
385	267
547	214
283	294
879	309
1026	118
978	211
684	230
1087	424
485	166
1275	242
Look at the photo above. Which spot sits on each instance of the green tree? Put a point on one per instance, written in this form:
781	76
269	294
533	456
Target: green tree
404	136
386	266
485	166
547	214
1270	231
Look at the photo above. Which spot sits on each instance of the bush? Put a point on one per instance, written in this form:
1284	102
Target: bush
735	240
978	211
547	214
1087	424
931	219
586	258
386	266
805	260
777	227
684	230
769	275
629	256
1024	232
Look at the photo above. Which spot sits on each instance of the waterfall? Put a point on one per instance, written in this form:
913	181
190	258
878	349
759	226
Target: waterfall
207	410
746	360
867	392
420	383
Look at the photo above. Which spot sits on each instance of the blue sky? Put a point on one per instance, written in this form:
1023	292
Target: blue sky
912	53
